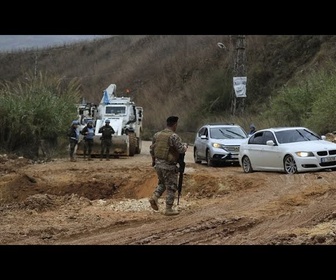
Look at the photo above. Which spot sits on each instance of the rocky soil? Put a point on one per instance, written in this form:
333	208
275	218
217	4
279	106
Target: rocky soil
106	203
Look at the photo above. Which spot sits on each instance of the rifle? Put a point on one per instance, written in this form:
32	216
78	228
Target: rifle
181	171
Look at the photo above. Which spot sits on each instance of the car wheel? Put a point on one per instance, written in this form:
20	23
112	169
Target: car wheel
290	165
247	166
196	159
208	159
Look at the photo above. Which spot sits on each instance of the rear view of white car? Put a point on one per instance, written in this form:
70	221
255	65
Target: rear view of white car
287	149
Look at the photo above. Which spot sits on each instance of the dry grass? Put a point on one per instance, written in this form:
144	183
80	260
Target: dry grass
171	74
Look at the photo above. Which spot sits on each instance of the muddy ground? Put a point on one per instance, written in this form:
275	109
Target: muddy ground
106	203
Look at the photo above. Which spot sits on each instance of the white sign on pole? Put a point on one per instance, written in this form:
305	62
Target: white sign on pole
239	85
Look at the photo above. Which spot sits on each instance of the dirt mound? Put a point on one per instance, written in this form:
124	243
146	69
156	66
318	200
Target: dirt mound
100	202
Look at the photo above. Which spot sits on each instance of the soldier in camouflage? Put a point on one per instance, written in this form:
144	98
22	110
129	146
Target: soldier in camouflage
165	149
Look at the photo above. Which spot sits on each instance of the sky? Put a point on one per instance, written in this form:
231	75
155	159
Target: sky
9	43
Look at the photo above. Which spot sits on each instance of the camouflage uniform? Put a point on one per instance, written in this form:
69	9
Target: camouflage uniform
166	168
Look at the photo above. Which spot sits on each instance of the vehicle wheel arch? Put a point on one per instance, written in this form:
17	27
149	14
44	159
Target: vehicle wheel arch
289	164
208	158
196	158
246	164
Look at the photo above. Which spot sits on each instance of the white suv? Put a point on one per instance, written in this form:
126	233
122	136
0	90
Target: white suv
218	143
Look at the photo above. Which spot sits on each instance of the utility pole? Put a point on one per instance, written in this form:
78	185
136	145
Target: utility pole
239	70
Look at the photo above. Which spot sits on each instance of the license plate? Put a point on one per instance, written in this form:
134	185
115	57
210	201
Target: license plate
328	159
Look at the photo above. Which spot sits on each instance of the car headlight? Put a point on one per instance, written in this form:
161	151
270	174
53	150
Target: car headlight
304	154
220	146
217	145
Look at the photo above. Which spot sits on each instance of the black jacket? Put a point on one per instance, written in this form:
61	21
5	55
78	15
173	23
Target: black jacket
106	132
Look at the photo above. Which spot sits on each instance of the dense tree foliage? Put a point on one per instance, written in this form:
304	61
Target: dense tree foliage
39	109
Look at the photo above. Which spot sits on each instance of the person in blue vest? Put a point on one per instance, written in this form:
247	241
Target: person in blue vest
89	132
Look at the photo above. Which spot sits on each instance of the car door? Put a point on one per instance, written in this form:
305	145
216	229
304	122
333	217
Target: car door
271	156
201	141
254	148
204	139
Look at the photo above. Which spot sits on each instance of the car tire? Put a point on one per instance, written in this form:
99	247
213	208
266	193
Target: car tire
208	158
290	165
246	164
196	159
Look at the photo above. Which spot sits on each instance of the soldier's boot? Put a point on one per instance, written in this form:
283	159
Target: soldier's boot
89	158
154	202
170	211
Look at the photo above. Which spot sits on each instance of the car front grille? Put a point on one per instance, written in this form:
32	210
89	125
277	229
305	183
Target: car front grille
330	163
234	149
325	153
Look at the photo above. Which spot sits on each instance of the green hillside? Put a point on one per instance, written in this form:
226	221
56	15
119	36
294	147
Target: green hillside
289	77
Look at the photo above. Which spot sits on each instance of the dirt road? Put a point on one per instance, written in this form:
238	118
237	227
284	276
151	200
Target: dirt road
106	203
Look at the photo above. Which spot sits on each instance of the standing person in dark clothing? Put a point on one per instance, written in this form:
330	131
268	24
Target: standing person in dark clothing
106	139
165	150
89	132
73	135
252	129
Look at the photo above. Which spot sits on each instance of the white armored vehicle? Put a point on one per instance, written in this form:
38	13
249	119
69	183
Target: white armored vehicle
125	118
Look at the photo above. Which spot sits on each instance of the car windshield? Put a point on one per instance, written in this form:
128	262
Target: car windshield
115	110
296	135
227	133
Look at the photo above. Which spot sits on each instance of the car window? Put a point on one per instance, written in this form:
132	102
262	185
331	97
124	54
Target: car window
309	134
206	132
268	136
256	138
237	132
295	135
218	133
288	136
201	131
227	133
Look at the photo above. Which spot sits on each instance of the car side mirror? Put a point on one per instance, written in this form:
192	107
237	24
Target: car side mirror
270	143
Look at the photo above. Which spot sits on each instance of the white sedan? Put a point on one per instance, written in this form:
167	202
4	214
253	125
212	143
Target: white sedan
287	149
